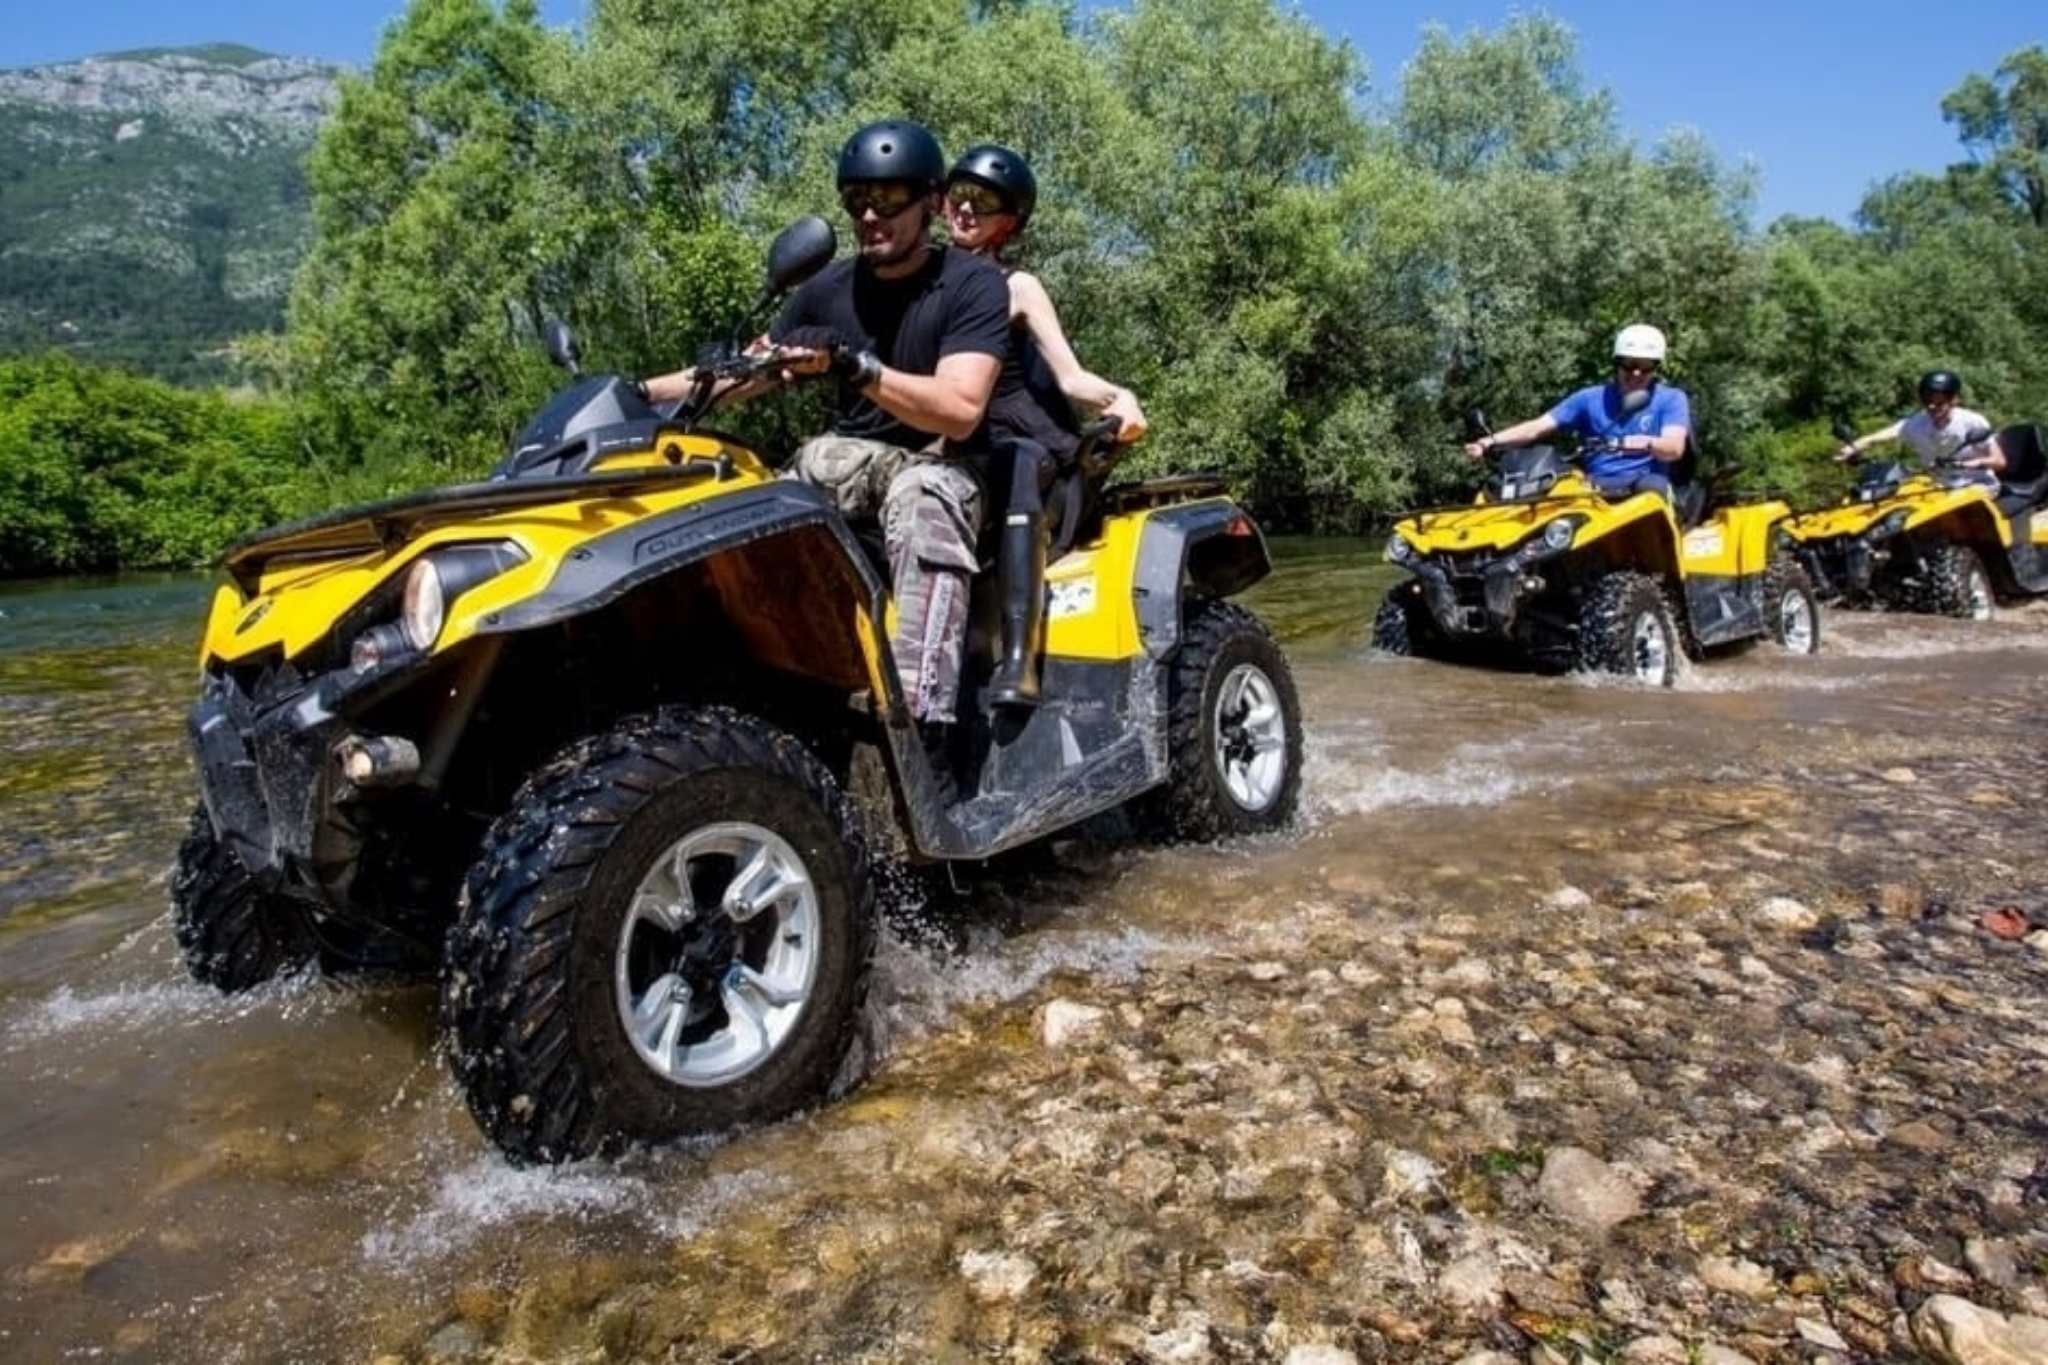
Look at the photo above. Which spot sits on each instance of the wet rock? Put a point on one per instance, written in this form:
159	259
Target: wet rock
997	1277
1733	1275
1318	1354
1820	1334
1471	1283
1068	1023
1919	1136
1656	1350
1957	1332
1711	1353
1992	1261
1585	1191
1783	912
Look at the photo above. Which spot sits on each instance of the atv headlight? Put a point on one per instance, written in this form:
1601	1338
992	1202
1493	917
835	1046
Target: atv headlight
1891	525
432	582
426	604
1399	550
1553	540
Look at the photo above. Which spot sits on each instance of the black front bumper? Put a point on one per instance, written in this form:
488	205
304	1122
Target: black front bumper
268	777
1475	600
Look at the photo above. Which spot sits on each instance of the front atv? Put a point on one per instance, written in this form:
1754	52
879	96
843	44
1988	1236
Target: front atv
1545	570
580	738
1934	541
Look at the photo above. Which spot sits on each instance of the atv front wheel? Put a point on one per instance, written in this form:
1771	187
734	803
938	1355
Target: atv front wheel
1952	582
670	934
233	935
1626	627
1233	732
1391	631
1791	609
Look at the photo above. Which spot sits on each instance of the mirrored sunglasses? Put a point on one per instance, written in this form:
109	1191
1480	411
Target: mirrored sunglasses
885	198
983	200
1636	366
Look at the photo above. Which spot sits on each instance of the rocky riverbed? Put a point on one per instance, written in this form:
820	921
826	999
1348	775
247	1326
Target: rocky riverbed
1719	1069
1574	1022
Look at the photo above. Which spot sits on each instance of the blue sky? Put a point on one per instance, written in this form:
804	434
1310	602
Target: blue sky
1825	96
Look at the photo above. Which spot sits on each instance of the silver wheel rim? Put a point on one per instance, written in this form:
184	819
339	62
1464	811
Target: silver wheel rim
1249	738
1651	648
718	954
1977	588
1795	623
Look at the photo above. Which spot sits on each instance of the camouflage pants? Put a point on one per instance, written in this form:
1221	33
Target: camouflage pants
930	509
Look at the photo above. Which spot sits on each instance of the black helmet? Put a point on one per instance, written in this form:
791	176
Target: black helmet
892	150
1947	383
1003	171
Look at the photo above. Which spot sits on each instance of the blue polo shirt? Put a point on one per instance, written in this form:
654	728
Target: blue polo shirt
1595	414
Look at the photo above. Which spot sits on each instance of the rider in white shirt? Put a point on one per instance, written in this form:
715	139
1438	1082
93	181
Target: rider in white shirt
1939	430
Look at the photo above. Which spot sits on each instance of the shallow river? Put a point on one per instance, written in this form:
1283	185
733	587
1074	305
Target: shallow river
290	1176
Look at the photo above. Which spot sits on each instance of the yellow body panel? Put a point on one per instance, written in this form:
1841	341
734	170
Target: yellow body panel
1924	500
322	589
1089	615
1498	526
1735	542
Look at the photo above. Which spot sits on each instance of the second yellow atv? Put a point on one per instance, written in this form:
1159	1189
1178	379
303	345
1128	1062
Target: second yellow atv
1933	541
1545	569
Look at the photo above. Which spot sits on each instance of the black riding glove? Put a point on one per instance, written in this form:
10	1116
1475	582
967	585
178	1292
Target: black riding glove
851	360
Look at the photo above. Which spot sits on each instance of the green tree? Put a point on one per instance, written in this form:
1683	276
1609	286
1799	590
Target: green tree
2003	121
412	318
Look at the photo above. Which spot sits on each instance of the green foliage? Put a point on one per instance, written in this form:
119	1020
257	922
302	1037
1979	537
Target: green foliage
1307	288
102	470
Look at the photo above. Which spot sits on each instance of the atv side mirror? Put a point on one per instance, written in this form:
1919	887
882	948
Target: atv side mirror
799	251
1843	432
1476	425
561	344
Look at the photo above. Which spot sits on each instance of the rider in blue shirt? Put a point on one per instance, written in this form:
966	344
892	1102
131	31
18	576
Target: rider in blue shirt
1639	423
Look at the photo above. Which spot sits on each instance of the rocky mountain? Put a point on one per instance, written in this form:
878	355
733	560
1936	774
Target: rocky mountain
153	204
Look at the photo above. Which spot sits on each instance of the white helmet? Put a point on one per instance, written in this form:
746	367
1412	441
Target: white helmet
1639	341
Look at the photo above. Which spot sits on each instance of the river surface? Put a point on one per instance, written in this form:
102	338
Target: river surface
289	1175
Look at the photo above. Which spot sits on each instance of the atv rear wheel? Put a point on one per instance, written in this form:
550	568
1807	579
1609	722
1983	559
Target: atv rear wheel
1791	609
670	934
233	935
1626	626
1233	731
1952	582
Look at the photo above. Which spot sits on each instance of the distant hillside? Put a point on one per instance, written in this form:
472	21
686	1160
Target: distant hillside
153	204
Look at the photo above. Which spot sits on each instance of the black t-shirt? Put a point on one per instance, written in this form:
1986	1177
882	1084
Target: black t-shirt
954	303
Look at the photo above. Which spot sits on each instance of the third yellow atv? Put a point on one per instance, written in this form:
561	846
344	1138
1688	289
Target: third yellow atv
1933	541
1546	569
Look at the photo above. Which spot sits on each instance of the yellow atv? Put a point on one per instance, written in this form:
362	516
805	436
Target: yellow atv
1935	541
1546	570
580	738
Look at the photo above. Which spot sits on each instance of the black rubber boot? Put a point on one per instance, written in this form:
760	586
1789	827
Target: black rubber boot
1020	565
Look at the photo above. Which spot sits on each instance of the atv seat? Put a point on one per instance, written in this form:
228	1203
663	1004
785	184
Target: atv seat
2023	484
1688	494
1073	505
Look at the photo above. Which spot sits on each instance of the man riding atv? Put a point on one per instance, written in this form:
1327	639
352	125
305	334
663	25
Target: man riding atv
583	739
1947	539
1617	570
1633	426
